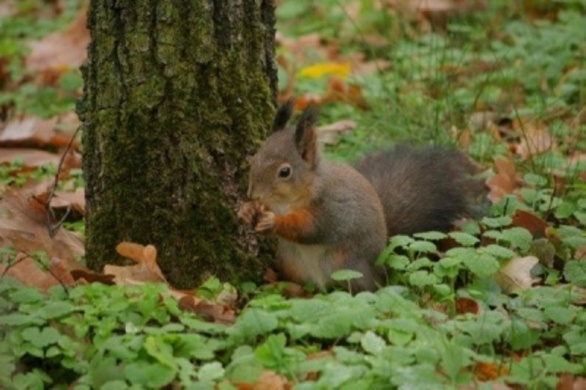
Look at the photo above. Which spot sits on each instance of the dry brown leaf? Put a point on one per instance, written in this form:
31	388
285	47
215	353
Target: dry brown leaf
25	225
531	222
330	134
34	131
73	200
505	181
61	51
489	371
29	272
147	269
28	157
92	277
571	382
210	311
516	274
467	305
535	138
268	380
131	251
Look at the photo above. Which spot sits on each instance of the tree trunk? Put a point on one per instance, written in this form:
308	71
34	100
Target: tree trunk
176	94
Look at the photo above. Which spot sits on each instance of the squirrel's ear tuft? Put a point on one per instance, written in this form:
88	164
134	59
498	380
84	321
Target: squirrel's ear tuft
283	115
305	135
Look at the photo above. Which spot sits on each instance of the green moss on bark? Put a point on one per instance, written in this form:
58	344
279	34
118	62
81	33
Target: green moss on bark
177	93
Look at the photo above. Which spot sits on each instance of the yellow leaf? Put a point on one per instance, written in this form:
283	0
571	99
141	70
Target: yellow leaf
325	68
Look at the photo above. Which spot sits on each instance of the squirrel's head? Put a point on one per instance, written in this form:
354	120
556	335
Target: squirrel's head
283	169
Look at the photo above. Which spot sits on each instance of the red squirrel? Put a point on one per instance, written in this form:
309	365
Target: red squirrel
329	216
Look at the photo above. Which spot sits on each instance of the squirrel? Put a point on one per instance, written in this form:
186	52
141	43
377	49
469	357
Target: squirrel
329	216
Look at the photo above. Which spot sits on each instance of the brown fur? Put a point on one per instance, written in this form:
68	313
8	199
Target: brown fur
421	189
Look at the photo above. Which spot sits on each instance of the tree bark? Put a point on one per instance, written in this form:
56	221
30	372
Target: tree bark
176	94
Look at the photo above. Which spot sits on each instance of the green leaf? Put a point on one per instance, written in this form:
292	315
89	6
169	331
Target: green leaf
497	222
464	238
423	262
104	369
574	272
400	241
432	236
565	210
40	339
422	278
559	365
153	375
453	361
252	323
423	247
498	251
309	310
158	348
27	295
372	343
560	315
518	237
56	309
482	265
346	274
398	262
271	353
520	336
18	319
211	372
244	366
447	267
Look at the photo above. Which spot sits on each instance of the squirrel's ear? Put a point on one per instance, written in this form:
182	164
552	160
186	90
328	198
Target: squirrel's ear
283	115
305	135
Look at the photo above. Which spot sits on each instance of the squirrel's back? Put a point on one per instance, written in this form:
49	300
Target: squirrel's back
422	189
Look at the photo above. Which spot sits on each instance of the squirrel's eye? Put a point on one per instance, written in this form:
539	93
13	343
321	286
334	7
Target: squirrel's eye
285	171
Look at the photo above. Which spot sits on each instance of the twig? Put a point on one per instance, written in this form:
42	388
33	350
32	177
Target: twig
53	227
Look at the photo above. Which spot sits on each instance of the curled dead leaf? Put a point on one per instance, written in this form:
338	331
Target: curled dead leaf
147	269
516	274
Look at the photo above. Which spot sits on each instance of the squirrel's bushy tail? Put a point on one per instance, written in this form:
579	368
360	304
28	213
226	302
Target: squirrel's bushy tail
422	189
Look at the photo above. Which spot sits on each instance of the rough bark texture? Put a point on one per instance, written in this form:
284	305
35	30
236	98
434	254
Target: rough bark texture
177	93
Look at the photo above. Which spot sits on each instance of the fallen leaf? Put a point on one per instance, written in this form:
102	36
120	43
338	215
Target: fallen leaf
531	222
571	382
62	50
341	70
210	311
505	181
147	269
330	134
467	305
28	157
37	132
485	371
30	272
268	380
516	274
535	139
69	200
92	277
25	225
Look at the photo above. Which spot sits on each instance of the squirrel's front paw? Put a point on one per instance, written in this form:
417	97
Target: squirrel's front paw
247	212
265	221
